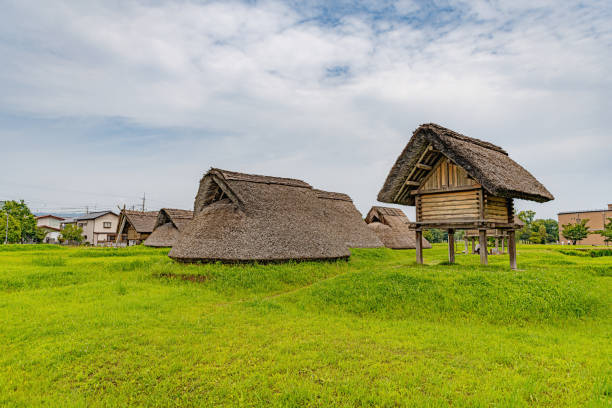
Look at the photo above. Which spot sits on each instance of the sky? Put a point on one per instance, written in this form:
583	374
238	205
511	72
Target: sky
103	102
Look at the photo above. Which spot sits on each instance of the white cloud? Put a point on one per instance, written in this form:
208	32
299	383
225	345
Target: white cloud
254	78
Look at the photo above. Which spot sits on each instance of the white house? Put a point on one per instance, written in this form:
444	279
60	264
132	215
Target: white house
51	224
98	227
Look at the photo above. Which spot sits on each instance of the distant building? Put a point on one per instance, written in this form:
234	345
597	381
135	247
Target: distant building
133	227
597	221
51	224
98	227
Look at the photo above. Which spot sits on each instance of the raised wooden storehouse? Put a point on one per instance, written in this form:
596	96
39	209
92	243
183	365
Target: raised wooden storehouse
244	217
170	222
457	182
135	226
392	226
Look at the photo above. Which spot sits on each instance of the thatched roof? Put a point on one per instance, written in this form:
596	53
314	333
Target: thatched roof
142	221
170	222
343	217
488	164
393	228
242	217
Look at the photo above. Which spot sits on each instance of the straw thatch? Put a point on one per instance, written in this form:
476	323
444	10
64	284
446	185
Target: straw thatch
170	222
342	216
142	221
241	217
392	227
488	164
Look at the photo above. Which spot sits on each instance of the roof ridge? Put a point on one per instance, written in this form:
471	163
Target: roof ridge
258	178
451	133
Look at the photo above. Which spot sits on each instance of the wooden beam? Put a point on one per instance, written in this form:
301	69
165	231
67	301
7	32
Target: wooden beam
401	190
444	190
424	166
451	246
419	246
512	249
482	240
412	183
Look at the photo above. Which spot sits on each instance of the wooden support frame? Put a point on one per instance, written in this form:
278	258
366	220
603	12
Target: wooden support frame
512	249
451	246
419	246
482	240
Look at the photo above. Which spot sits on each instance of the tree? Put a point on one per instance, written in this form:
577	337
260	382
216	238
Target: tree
41	233
435	235
606	233
576	232
22	215
527	217
72	233
14	229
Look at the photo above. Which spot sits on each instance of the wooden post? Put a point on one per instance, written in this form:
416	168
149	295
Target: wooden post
419	246
473	245
451	246
482	237
512	249
467	247
503	238
496	245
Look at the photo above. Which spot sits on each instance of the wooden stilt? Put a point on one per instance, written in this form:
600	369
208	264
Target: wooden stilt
482	238
496	245
451	246
473	245
467	247
503	250
512	249
419	246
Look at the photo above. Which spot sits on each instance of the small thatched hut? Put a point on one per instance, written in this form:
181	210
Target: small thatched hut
393	228
343	218
457	182
243	217
135	226
170	222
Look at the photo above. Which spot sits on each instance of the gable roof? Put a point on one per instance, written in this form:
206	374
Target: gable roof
143	222
393	228
487	163
169	223
245	217
93	215
49	216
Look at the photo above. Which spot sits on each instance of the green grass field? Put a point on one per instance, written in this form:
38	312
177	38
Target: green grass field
107	327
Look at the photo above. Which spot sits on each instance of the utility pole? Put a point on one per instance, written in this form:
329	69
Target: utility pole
6	230
143	201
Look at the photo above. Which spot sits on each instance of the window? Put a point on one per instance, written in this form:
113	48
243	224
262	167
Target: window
81	224
106	224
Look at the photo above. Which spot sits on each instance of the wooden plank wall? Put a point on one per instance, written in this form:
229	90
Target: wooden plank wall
446	175
496	208
449	206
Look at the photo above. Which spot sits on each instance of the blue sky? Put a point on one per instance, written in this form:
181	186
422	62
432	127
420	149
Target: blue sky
103	101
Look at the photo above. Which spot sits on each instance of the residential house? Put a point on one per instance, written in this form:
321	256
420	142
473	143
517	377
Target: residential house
98	227
51	224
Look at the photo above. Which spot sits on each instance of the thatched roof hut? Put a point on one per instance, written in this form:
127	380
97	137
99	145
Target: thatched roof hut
393	228
135	226
342	216
458	182
484	162
243	217
170	222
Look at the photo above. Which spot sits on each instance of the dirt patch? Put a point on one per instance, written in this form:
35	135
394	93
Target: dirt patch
185	277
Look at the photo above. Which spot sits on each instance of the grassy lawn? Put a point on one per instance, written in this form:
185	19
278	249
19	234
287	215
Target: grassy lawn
107	327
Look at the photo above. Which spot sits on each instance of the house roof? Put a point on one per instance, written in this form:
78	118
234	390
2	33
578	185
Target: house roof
487	163
393	228
48	227
93	215
143	222
169	223
50	216
244	217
